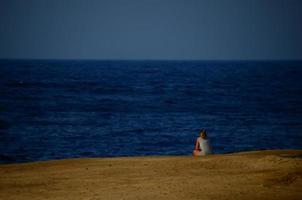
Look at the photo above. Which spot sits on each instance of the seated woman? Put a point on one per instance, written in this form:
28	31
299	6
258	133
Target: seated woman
202	146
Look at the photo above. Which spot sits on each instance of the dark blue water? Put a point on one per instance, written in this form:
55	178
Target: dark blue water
64	109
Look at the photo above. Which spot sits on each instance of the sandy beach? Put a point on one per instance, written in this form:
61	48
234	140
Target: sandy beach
273	174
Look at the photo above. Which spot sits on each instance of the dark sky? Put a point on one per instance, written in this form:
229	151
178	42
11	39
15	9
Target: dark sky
151	29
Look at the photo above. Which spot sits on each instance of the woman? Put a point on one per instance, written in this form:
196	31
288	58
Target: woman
202	146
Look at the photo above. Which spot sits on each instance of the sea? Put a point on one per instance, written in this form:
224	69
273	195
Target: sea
58	109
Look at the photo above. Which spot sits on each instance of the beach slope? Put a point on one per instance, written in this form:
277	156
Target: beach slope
273	174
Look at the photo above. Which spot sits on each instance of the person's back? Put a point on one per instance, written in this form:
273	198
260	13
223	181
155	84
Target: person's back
204	145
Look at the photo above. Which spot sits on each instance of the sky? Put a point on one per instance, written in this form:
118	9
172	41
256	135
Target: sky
151	29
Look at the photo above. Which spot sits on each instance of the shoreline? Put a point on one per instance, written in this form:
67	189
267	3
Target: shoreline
261	151
265	174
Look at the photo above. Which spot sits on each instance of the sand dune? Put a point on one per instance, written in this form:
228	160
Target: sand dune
250	175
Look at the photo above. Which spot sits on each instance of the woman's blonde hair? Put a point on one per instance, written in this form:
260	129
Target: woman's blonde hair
203	134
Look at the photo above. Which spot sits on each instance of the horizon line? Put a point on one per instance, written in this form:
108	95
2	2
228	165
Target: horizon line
142	60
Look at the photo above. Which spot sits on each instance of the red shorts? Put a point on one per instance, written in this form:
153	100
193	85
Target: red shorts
196	153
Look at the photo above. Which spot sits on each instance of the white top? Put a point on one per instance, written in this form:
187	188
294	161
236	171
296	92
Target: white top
204	145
